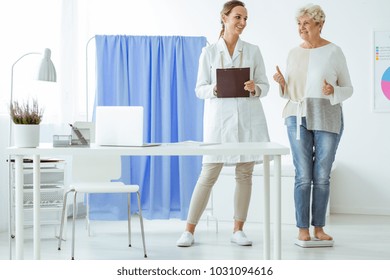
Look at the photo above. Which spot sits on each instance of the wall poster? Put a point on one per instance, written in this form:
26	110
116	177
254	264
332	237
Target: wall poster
381	96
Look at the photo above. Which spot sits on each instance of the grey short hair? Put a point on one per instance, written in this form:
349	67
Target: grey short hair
313	11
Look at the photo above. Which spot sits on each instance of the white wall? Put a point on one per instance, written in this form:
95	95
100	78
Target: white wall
24	30
362	178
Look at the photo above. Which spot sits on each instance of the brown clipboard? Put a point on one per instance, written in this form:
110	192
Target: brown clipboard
230	82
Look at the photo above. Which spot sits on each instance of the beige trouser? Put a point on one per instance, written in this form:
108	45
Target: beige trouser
207	178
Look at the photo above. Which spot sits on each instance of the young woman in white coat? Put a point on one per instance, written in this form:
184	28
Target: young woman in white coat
230	120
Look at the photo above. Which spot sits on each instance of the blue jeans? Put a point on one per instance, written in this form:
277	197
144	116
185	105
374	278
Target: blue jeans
313	156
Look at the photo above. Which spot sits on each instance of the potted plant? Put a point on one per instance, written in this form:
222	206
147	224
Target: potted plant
26	117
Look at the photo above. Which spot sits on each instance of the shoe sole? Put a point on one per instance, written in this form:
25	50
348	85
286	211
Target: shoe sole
241	244
185	245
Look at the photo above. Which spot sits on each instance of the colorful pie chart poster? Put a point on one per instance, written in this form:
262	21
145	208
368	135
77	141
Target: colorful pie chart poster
382	71
385	83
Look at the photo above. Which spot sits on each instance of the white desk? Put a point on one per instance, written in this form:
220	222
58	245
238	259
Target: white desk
267	150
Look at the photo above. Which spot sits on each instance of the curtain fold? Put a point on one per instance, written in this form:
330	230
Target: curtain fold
158	73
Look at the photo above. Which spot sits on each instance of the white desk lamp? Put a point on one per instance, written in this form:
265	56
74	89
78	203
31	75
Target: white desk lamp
46	72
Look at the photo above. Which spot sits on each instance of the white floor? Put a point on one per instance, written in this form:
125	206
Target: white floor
357	237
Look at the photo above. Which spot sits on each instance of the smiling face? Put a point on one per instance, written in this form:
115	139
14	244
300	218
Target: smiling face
308	29
235	21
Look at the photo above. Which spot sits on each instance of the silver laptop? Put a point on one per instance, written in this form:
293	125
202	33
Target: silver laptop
120	126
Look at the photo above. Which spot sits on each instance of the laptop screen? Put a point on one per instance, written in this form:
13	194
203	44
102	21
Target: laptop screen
119	125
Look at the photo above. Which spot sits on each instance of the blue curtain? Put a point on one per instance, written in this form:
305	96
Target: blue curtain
158	73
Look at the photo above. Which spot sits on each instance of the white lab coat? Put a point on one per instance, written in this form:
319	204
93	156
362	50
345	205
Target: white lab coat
232	120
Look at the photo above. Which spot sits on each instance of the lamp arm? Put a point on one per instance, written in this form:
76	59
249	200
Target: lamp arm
12	72
26	54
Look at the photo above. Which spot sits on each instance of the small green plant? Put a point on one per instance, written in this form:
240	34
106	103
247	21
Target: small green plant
26	113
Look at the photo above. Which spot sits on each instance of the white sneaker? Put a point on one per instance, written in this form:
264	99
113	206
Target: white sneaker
240	238
185	240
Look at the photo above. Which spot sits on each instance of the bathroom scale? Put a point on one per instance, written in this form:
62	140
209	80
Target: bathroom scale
314	243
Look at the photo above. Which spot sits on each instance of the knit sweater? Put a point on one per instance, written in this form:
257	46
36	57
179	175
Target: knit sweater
305	74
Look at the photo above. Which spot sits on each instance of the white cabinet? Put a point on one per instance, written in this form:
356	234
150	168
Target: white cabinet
52	191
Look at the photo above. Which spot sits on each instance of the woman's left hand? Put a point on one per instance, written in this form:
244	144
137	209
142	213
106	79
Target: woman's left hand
250	86
327	88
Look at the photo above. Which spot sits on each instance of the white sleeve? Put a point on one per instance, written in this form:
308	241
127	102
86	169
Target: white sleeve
343	89
204	87
259	75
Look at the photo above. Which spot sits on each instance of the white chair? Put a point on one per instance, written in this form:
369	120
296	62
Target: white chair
94	175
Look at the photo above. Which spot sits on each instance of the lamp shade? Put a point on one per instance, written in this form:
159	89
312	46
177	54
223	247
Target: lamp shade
47	71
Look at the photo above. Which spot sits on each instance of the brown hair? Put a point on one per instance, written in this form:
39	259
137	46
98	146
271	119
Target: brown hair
226	10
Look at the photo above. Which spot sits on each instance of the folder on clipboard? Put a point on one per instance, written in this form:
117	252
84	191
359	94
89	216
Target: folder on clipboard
230	82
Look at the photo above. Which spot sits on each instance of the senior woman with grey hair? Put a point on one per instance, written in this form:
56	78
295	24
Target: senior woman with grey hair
316	82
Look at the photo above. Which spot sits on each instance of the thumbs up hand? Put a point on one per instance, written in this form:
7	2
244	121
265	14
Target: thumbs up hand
278	77
327	88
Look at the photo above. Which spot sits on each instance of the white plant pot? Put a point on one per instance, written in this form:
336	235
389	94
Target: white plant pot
26	135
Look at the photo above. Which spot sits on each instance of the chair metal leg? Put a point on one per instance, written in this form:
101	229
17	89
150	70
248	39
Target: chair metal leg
88	223
141	223
129	218
74	214
74	222
63	218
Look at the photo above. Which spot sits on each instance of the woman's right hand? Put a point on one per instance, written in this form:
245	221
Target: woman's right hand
279	78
